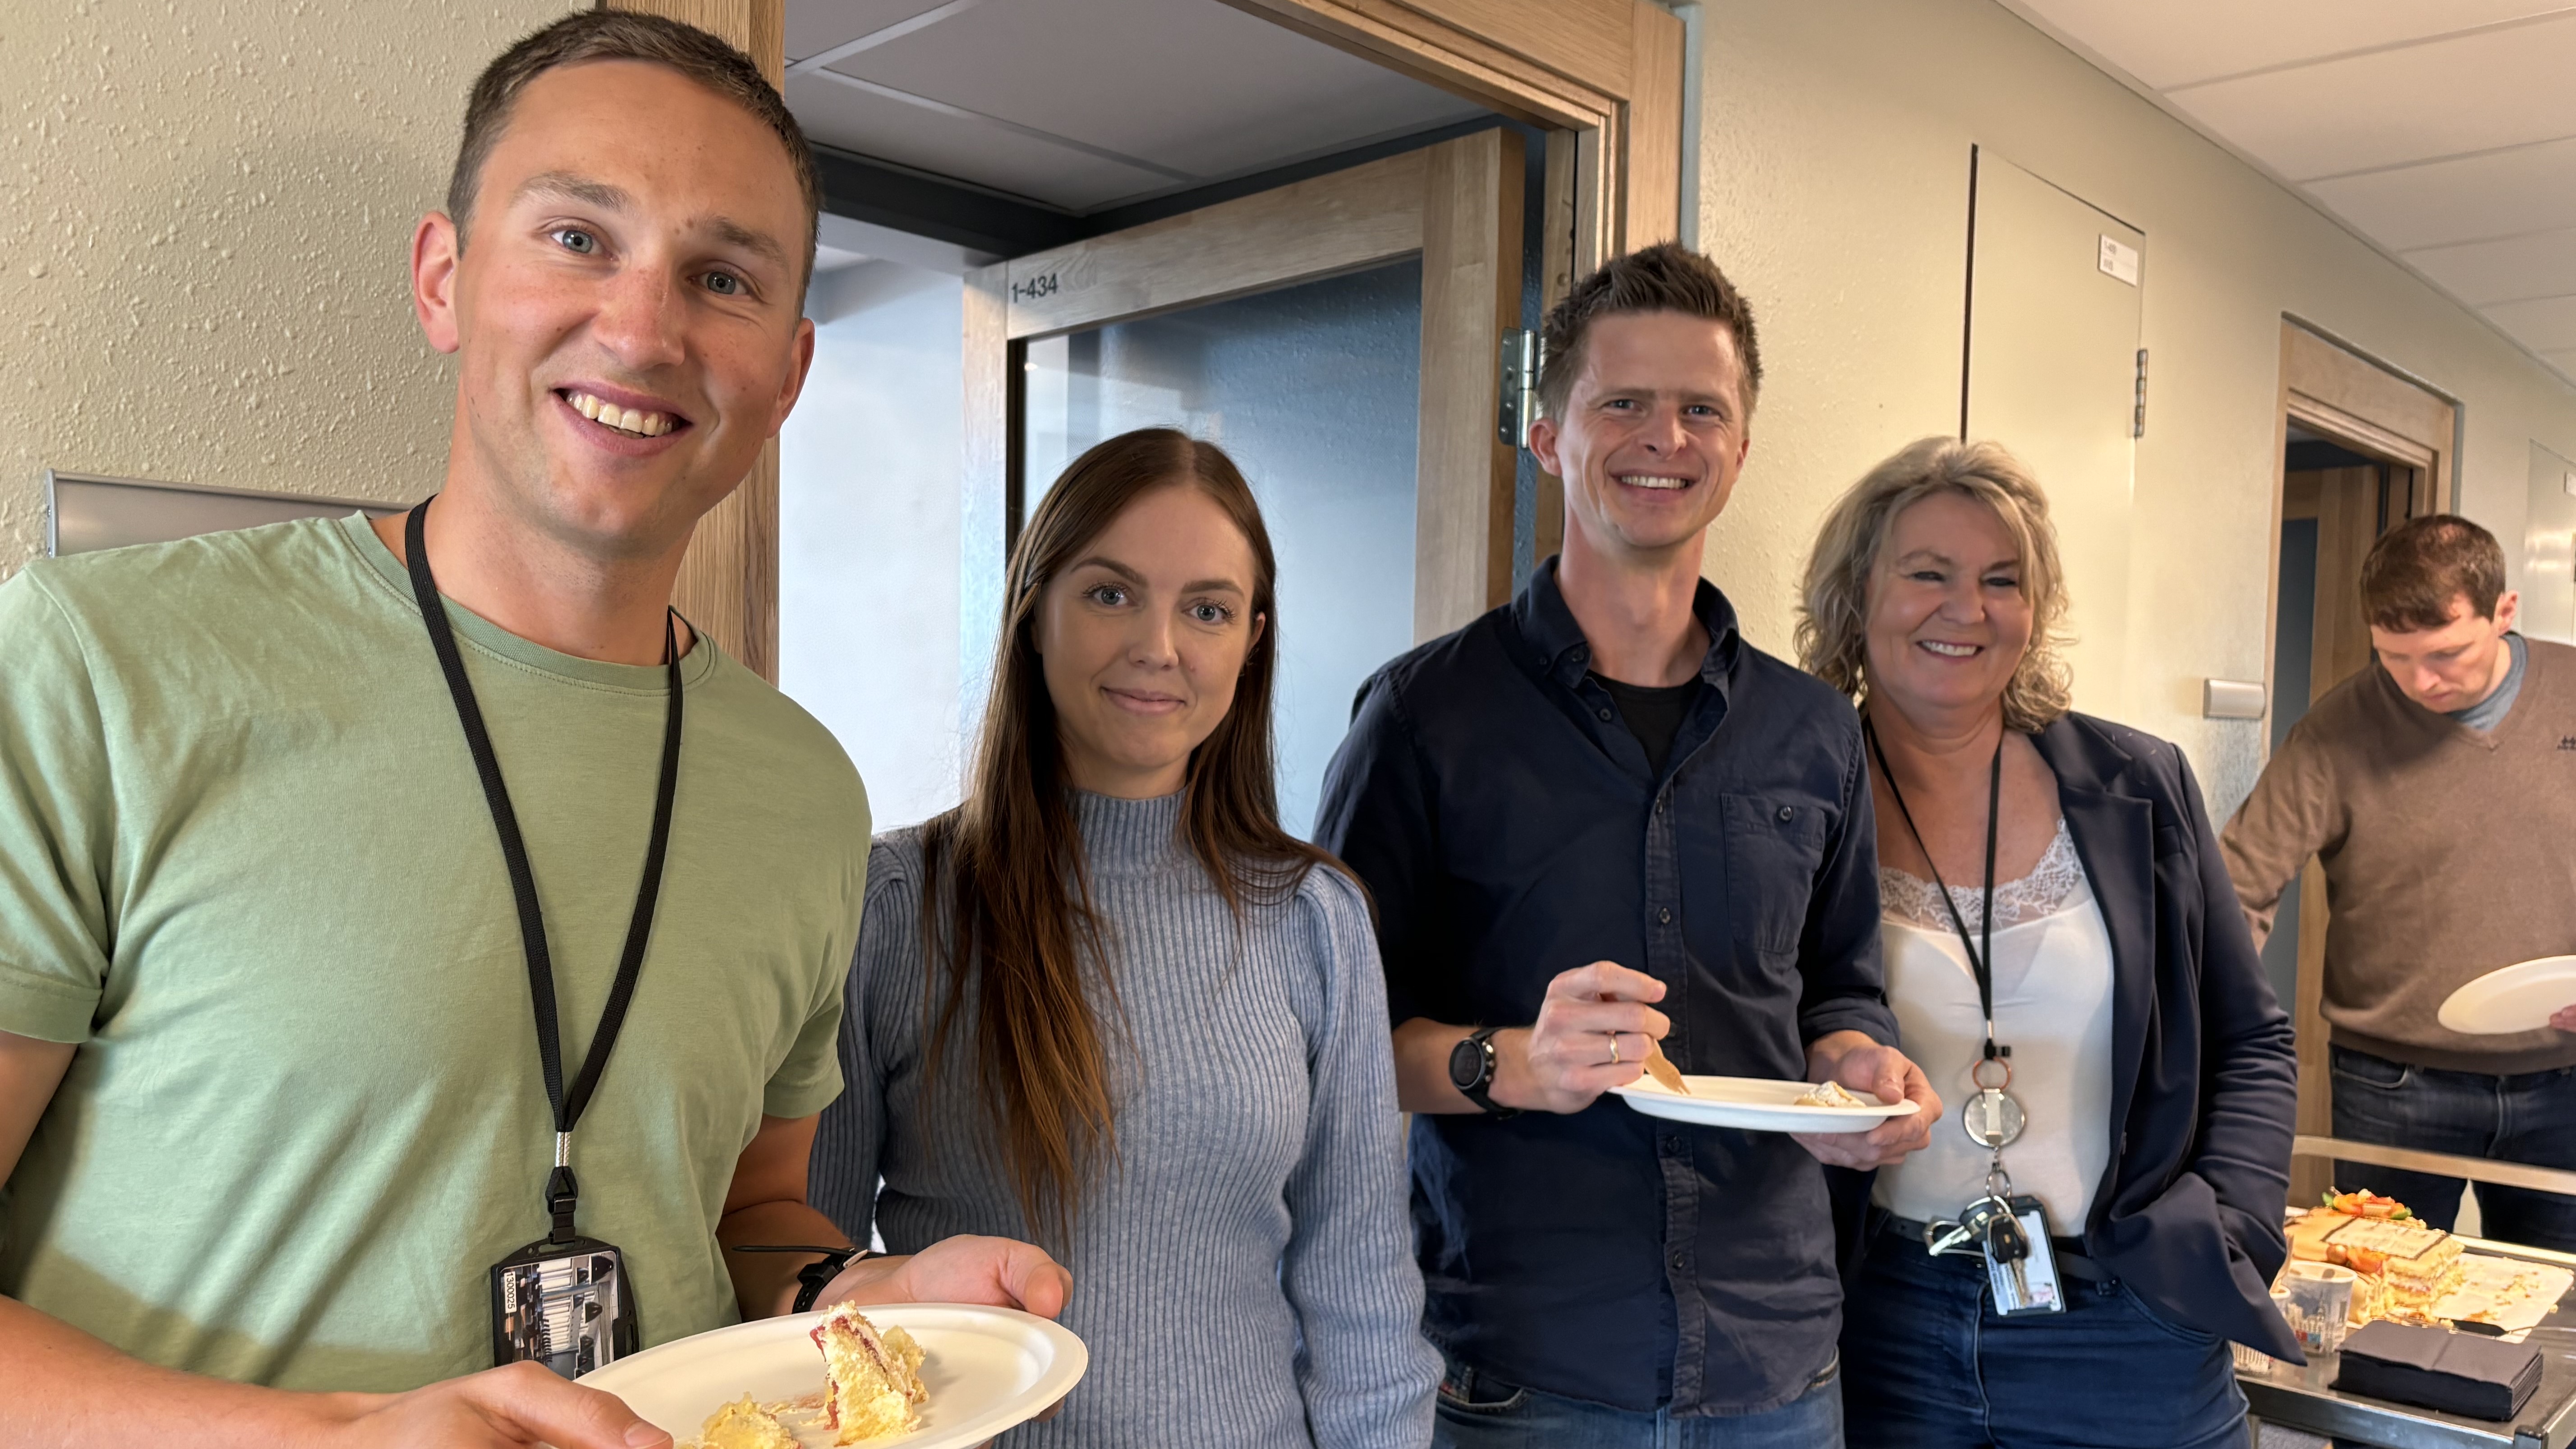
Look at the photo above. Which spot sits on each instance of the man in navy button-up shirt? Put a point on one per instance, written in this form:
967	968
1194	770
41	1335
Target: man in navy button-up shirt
1597	816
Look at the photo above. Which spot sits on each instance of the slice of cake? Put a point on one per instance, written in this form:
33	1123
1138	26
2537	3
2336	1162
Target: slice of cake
743	1424
2419	1264
1831	1094
871	1380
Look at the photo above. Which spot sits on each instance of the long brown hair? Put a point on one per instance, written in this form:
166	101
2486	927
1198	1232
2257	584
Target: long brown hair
1004	872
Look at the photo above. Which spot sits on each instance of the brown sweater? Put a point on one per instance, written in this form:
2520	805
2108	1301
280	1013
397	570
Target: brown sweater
2448	853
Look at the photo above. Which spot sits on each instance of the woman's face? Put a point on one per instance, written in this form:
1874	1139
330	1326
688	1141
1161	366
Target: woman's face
1948	622
1143	638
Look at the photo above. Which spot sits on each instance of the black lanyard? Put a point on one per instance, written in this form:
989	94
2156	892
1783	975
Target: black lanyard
560	1187
1980	962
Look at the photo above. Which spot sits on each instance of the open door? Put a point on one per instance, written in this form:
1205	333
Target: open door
2361	450
1340	337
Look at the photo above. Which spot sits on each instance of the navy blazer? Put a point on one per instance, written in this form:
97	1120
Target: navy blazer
2204	1073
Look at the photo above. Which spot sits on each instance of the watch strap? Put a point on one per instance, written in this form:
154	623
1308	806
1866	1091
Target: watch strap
1478	1091
816	1276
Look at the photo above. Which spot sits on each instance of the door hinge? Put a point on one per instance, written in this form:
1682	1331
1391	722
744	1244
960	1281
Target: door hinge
2138	414
1518	408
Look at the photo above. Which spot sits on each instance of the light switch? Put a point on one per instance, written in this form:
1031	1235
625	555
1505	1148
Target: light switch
2230	699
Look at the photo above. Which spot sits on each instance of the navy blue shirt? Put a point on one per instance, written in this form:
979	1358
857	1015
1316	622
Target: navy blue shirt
1510	828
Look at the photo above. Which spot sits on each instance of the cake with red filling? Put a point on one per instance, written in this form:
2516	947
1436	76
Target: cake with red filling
871	1378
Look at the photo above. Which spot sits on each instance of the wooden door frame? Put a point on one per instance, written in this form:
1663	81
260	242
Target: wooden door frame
1457	204
1603	77
2332	389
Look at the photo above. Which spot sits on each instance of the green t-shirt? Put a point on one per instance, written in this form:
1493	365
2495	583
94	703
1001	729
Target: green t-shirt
246	864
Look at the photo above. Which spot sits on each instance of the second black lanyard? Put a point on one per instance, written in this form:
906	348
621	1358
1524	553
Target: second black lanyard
1992	1117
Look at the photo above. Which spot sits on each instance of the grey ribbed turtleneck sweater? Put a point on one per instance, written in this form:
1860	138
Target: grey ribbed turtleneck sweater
1244	1273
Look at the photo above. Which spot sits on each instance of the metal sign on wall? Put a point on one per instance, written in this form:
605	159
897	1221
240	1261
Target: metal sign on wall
85	512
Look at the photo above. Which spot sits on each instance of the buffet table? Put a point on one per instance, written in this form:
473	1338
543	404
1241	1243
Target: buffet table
2296	1397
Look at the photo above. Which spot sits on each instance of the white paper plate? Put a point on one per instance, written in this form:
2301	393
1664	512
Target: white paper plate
986	1368
1754	1104
2517	998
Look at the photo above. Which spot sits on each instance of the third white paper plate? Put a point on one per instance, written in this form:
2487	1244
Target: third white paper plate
1754	1104
986	1368
2517	998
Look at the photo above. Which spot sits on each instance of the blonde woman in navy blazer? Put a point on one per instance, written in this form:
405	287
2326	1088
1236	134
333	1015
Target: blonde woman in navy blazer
2154	1063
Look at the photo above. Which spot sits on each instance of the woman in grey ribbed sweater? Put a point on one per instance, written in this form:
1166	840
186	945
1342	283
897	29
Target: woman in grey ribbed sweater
1166	1056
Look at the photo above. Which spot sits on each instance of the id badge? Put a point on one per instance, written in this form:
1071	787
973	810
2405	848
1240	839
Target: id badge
564	1304
2028	1285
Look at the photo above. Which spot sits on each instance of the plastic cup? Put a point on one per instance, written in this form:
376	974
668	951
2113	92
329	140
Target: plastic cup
2320	1304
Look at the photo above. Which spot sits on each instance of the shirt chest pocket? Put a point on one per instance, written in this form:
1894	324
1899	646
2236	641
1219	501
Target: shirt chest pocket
1773	850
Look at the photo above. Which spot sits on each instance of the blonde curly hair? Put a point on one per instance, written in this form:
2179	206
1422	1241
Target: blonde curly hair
1833	611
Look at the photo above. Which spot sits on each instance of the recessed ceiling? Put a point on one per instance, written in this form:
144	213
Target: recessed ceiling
1086	104
2444	130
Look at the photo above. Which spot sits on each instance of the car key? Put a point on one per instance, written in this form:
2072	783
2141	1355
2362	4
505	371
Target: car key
2006	1246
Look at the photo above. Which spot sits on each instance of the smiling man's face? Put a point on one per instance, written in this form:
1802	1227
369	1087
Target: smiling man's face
627	309
1653	434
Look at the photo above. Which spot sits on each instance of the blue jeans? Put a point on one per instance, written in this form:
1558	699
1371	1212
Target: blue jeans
2528	1118
1476	1412
1933	1367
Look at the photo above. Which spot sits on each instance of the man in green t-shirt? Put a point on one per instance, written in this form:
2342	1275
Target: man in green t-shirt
271	1100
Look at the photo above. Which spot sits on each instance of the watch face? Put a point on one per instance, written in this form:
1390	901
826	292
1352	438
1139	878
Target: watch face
1466	1063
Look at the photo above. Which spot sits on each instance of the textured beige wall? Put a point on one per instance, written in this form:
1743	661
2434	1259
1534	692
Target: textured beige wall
205	210
1834	187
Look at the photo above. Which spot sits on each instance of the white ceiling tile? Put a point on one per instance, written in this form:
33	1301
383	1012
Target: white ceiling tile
2543	265
2445	98
2543	326
2176	42
2508	194
870	125
1191	85
814	26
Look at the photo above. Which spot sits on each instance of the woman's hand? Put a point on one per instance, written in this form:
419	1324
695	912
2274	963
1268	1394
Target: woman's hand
1884	1072
999	1272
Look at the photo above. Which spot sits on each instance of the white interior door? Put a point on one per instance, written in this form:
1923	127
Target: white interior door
2053	328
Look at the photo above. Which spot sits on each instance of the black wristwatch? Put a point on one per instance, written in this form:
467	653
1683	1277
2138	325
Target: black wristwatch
1471	1071
813	1278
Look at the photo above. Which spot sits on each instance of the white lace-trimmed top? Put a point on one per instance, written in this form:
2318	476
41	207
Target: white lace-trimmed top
2052	975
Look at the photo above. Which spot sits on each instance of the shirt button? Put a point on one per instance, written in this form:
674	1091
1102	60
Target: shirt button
1665	915
1679	1263
1787	813
1672	1144
1605	714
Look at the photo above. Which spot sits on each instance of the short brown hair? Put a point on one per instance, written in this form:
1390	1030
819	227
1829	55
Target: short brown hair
1833	613
1666	277
2417	568
589	35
